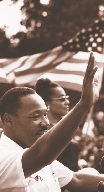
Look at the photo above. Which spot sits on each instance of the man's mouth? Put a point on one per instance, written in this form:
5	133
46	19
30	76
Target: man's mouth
42	132
67	108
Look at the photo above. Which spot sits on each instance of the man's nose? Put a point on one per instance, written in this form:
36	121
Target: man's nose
67	101
45	122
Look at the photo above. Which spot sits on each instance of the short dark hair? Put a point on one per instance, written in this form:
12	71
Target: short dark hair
44	88
10	101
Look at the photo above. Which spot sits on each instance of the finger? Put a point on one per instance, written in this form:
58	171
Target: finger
89	62
90	67
91	76
87	69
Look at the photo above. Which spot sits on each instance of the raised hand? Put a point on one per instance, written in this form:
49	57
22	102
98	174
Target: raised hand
90	91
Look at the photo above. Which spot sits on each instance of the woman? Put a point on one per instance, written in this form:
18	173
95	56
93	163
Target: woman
57	103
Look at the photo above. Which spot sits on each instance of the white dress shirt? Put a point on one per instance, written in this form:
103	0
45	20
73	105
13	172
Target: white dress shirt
49	179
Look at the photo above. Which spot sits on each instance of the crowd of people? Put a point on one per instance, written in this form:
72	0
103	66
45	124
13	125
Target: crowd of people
84	150
92	143
38	128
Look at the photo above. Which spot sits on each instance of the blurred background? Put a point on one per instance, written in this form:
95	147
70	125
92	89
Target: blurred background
32	26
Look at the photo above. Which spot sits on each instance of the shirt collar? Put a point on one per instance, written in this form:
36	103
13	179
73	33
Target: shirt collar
10	144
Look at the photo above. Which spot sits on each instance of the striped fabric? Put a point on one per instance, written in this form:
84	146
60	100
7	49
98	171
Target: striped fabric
3	78
65	64
25	70
70	74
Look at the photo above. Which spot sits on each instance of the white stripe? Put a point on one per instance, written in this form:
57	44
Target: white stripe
28	79
85	55
53	54
72	66
15	64
64	77
3	78
29	62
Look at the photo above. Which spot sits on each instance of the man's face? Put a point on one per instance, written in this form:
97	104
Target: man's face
31	120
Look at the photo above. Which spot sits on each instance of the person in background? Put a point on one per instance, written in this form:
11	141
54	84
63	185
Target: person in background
98	119
57	103
28	151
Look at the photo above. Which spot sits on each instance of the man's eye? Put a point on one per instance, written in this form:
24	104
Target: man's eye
35	117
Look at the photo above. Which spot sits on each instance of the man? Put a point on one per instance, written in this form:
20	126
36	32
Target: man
28	152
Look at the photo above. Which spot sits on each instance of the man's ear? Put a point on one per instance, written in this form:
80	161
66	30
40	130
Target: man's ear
7	119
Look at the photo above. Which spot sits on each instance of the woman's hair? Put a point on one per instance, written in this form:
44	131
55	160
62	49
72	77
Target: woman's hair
44	88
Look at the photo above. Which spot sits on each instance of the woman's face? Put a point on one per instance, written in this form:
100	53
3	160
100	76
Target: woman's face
59	102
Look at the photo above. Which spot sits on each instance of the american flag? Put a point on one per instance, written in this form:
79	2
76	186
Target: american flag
65	64
90	39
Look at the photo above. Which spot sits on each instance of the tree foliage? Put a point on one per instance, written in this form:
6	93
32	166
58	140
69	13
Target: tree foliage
49	25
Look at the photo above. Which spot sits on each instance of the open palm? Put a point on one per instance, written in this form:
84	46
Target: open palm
90	90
